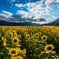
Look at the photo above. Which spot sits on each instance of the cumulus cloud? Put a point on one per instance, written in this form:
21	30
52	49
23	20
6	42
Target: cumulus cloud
8	16
23	13
46	1
54	17
57	1
5	15
35	10
19	5
51	1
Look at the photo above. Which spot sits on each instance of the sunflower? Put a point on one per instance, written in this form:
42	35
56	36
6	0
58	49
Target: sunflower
13	31
25	33
27	29
15	40
52	32
24	51
49	47
3	42
41	30
3	29
28	36
6	34
15	34
30	28
19	57
44	37
39	33
13	51
10	34
57	32
48	31
36	35
24	30
20	36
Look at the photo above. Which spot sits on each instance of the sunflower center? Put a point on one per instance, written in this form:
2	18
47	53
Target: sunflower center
2	41
28	36
18	58
44	38
24	31
13	52
52	32
15	40
57	32
49	48
23	51
13	32
10	35
36	34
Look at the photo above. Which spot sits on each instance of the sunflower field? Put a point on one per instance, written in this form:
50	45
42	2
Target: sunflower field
29	42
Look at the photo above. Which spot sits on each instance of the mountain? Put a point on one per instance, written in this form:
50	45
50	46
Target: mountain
4	23
54	23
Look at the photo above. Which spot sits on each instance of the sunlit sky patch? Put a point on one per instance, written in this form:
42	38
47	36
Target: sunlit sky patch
34	9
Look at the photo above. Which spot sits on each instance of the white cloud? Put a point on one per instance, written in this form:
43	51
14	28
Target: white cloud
35	10
51	1
57	1
42	22
49	20
5	15
19	5
46	2
23	13
54	17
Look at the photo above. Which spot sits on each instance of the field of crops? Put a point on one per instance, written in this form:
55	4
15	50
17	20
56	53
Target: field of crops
29	42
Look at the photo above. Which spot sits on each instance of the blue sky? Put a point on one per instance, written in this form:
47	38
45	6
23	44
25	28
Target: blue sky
48	9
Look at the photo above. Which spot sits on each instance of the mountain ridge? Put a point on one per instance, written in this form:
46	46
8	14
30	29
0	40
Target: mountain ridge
5	23
54	23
